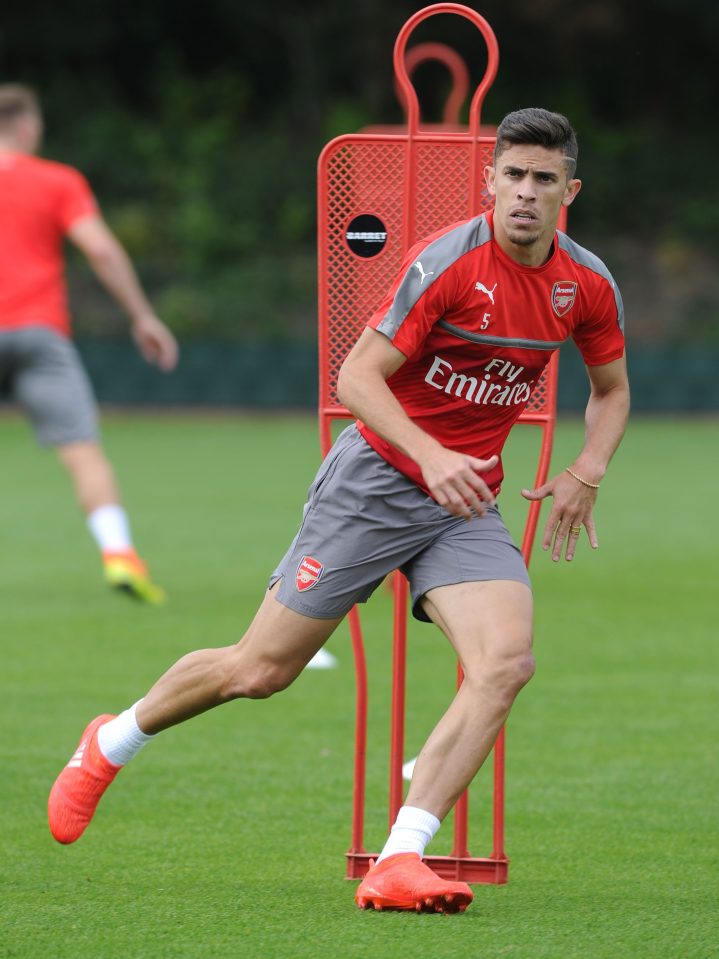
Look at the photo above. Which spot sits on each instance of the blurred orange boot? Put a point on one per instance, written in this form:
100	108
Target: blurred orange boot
126	572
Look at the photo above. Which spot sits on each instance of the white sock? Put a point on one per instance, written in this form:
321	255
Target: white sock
412	830
121	738
110	527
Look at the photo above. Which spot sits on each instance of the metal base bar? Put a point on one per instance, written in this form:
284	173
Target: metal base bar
472	869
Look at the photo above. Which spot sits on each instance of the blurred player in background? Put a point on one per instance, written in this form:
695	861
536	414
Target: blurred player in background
41	204
437	379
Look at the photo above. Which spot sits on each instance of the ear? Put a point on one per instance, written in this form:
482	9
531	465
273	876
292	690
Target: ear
489	176
573	187
29	131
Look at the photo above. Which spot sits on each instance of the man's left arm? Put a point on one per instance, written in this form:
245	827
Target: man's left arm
574	490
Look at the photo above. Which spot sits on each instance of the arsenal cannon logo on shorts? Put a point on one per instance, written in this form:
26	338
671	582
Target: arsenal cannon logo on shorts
308	573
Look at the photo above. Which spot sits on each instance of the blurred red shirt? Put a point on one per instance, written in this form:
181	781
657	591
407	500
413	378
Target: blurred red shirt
39	202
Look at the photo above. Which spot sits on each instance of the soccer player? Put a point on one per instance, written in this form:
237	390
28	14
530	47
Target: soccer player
442	371
41	204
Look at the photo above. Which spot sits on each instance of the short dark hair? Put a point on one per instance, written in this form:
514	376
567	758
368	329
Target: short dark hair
17	100
533	125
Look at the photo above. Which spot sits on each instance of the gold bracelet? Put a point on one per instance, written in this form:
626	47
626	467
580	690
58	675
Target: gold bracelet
580	480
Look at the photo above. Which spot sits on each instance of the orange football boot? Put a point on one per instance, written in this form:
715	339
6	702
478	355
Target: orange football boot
403	881
79	787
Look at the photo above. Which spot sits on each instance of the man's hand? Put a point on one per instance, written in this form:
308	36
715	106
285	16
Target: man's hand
155	341
453	480
571	509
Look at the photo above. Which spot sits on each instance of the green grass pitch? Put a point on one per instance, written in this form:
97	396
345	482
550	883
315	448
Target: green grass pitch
226	837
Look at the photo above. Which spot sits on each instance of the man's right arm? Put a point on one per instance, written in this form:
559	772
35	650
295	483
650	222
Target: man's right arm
113	268
452	478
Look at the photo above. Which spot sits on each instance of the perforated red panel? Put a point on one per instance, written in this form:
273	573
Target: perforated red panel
360	177
542	399
442	185
368	174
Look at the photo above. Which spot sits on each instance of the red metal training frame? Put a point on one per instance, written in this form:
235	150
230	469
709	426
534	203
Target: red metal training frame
414	180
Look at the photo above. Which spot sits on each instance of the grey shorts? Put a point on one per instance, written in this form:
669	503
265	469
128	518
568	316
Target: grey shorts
42	372
363	519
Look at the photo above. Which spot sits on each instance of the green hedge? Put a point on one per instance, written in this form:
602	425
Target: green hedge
283	374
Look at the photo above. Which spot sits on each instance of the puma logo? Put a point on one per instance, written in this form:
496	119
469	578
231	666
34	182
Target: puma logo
421	270
483	289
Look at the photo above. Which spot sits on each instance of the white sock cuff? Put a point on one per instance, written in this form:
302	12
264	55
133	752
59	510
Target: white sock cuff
413	829
411	817
110	528
139	735
121	738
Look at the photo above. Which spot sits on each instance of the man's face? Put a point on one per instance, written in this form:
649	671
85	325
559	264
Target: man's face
23	133
530	186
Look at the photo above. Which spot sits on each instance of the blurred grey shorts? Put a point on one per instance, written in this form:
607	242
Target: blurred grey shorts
41	371
363	519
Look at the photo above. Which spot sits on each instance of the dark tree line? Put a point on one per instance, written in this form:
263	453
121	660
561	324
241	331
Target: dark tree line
199	126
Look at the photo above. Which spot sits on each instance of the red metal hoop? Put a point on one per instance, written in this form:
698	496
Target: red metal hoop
409	94
457	68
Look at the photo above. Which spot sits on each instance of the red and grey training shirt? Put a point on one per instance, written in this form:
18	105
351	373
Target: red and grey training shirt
478	329
40	200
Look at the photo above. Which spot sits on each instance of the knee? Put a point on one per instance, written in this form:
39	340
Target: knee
506	673
521	668
256	680
513	672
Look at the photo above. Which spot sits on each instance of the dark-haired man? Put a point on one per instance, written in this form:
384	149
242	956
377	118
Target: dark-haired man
443	370
41	204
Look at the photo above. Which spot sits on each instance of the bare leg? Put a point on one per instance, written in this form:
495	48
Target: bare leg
91	474
489	625
269	657
273	652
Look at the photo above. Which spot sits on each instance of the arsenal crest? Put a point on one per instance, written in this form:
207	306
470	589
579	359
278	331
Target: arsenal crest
564	294
308	573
